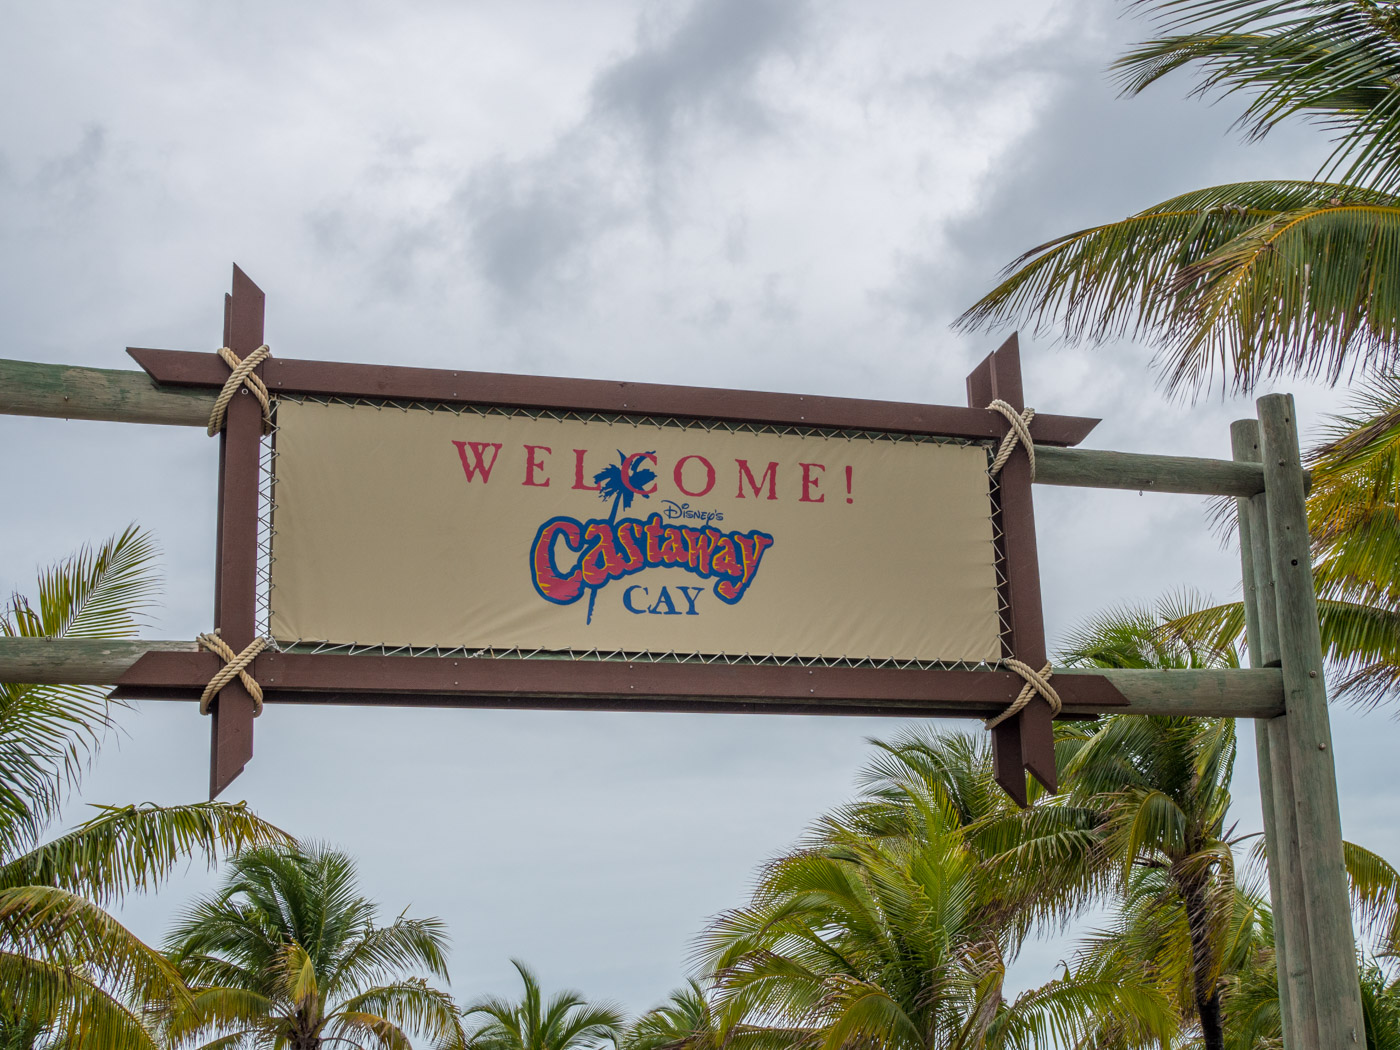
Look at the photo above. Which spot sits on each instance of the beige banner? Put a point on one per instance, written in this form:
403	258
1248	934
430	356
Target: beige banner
436	528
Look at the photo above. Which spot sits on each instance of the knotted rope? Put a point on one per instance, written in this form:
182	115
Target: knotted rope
235	666
241	374
1036	682
1019	434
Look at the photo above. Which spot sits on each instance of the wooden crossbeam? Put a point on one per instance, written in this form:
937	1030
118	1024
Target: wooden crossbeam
123	396
1208	693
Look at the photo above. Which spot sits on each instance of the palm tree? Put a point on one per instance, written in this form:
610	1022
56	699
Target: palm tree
1160	790
691	1019
288	954
890	929
1054	860
1258	278
686	1020
69	972
566	1021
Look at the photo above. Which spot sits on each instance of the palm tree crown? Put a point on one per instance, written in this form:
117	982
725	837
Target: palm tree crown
288	953
564	1021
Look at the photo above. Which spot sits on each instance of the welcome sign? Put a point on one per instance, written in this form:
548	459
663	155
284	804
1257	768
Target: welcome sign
447	537
430	527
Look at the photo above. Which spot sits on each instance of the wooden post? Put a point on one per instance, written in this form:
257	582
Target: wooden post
235	574
1025	742
1331	948
1297	1002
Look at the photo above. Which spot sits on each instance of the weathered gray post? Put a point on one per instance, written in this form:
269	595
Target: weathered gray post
1297	1001
1331	946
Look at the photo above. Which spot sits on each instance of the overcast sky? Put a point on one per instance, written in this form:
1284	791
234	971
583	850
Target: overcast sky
769	194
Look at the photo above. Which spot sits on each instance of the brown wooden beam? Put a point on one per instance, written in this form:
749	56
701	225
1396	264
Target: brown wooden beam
30	388
236	563
1217	693
289	376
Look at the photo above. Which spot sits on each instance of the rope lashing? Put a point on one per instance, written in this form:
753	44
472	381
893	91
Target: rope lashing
235	666
241	374
1019	434
1037	682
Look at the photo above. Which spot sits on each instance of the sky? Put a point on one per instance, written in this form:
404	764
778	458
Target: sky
787	195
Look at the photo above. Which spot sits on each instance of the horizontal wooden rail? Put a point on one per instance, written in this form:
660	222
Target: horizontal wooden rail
70	392
1097	469
77	661
1219	693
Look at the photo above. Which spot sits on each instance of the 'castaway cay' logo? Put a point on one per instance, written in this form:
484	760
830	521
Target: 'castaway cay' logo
570	558
611	549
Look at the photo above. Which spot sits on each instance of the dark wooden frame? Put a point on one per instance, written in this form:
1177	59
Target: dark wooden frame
1022	744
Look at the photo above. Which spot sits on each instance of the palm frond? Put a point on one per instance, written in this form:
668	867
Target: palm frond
133	848
64	930
47	732
1227	282
1335	62
65	1002
412	1004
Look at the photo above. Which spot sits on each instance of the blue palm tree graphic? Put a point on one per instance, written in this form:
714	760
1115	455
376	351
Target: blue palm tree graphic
611	486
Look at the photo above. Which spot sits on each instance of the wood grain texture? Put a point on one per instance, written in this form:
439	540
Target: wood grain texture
76	661
236	560
1297	1000
28	388
1319	825
1095	468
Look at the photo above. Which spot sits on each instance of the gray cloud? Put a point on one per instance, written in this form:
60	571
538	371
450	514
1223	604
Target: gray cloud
1090	156
76	166
703	68
530	224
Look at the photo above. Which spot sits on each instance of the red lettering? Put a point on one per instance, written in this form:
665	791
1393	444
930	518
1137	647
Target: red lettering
477	464
559	589
770	478
698	547
602	563
751	548
630	534
579	453
673	546
532	465
627	471
709	475
809	483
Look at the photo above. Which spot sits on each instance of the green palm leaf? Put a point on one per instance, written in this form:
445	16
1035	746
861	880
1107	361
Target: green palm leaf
63	930
1336	62
48	731
133	848
78	1012
290	950
1225	281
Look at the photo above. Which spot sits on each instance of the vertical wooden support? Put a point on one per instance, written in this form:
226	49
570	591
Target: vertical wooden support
236	568
1027	741
1297	1001
1327	906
